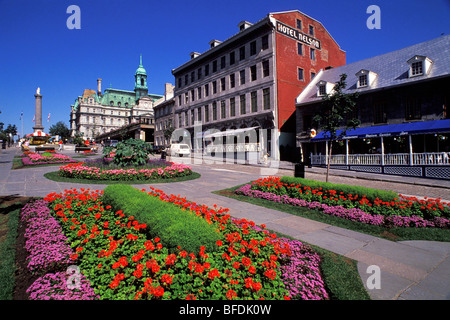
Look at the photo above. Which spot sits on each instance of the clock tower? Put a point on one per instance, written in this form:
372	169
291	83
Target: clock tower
140	81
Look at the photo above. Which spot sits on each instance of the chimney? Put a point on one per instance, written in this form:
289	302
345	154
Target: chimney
168	91
99	86
244	25
214	43
194	55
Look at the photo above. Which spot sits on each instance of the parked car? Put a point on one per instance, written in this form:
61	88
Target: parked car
179	149
111	143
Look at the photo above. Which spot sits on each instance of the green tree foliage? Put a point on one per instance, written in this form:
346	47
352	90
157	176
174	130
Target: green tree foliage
59	129
337	113
132	152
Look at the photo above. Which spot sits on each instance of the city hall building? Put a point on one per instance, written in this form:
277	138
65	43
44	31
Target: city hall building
239	95
115	113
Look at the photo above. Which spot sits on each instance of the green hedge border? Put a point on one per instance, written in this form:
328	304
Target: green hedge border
55	177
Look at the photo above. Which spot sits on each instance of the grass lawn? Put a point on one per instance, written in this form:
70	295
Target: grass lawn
394	234
55	177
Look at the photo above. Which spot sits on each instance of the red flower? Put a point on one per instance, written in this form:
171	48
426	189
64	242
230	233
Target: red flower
231	294
246	261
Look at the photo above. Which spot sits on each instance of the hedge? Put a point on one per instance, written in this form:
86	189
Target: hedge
371	194
174	226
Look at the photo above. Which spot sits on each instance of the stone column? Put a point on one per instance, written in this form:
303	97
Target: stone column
38	112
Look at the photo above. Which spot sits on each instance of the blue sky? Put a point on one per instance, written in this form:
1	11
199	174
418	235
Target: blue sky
38	50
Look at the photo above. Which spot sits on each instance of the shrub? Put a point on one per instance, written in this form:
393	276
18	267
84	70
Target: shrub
131	152
175	226
370	194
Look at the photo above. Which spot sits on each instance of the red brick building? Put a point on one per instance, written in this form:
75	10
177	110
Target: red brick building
250	82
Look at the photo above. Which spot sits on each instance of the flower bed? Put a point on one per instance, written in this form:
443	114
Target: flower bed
49	252
83	171
396	214
32	158
115	253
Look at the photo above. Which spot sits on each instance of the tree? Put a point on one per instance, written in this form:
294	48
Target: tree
59	129
337	113
168	133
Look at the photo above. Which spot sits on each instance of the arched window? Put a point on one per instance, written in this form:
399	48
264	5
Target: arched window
142	81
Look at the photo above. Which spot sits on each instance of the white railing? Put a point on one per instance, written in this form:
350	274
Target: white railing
428	158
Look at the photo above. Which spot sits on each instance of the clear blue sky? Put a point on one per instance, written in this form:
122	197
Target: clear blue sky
38	50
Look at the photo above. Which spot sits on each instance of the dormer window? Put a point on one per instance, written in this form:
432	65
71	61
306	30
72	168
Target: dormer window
365	78
419	65
417	68
362	80
324	88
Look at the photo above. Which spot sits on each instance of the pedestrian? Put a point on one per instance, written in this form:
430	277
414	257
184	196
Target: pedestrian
60	145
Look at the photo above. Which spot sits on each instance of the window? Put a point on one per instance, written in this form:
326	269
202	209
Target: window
232	58
214	110
265	42
242	103
363	80
207	113
232	107
253	73
180	123
313	74
265	66
379	112
300	74
222	62
206	90
312	53
222	84
186	119
199	73
222	109
254	101
206	70
266	98
232	81
417	68
192	76
179	83
186	97
192	95
413	109
199	114
192	117
214	66
241	53
252	48
214	84
299	24
185	79
299	48
322	90
111	103
242	77
199	92
311	30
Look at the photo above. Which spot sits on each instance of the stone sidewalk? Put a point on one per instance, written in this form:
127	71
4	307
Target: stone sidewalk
410	270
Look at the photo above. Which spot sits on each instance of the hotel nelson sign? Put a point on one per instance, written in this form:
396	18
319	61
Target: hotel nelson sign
297	35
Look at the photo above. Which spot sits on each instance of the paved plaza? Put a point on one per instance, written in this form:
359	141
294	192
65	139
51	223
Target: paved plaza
410	270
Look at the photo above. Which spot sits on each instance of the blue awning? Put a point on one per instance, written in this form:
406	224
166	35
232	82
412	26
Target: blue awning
392	130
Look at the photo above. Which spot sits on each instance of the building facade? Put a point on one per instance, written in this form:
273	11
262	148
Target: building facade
97	115
164	116
245	87
403	106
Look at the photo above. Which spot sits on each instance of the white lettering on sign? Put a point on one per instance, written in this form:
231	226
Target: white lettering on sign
297	35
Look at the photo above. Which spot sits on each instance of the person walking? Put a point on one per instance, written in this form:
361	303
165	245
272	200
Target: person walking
60	145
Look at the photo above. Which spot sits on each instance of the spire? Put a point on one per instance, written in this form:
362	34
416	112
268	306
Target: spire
140	61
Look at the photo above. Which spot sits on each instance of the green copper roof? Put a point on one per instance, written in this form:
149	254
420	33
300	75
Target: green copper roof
117	97
140	69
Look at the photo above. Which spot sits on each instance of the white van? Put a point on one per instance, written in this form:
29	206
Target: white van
179	149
